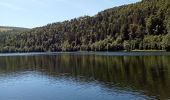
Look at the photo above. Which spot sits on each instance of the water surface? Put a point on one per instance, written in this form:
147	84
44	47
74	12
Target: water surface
85	75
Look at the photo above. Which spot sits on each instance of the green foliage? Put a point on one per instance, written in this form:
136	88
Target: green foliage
65	46
168	25
153	42
166	42
126	45
143	25
155	26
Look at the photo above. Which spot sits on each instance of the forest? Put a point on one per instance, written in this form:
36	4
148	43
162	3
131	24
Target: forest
144	25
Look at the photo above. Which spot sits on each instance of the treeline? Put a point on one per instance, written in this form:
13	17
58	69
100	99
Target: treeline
143	25
6	32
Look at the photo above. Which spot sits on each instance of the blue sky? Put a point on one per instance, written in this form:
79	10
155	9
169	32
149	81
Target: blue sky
34	13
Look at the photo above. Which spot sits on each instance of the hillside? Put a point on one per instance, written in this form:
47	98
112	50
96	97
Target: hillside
144	25
7	28
6	31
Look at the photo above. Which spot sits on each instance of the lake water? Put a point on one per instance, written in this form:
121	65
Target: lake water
85	76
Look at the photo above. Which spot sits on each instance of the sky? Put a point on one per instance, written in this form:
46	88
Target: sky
35	13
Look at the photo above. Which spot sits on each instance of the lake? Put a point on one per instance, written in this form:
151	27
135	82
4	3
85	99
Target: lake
85	76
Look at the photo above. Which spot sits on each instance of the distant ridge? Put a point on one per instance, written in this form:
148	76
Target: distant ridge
9	28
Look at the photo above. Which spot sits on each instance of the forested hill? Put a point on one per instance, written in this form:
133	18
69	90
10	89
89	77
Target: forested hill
6	32
143	25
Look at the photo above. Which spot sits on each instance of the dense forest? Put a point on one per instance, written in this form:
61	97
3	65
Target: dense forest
143	25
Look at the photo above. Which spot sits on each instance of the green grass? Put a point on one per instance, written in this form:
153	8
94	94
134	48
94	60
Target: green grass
148	50
5	29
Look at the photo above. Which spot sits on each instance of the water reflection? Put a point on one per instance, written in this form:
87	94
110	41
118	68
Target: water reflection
146	75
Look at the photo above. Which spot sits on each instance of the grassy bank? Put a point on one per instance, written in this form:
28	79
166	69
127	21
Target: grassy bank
148	51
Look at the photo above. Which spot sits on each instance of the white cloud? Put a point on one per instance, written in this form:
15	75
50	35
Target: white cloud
21	4
61	0
37	2
10	6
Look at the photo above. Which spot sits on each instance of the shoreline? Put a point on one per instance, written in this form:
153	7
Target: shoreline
123	51
98	53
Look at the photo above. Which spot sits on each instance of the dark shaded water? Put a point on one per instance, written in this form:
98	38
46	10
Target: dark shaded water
85	76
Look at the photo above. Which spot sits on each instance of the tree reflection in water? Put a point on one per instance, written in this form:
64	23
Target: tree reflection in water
149	74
